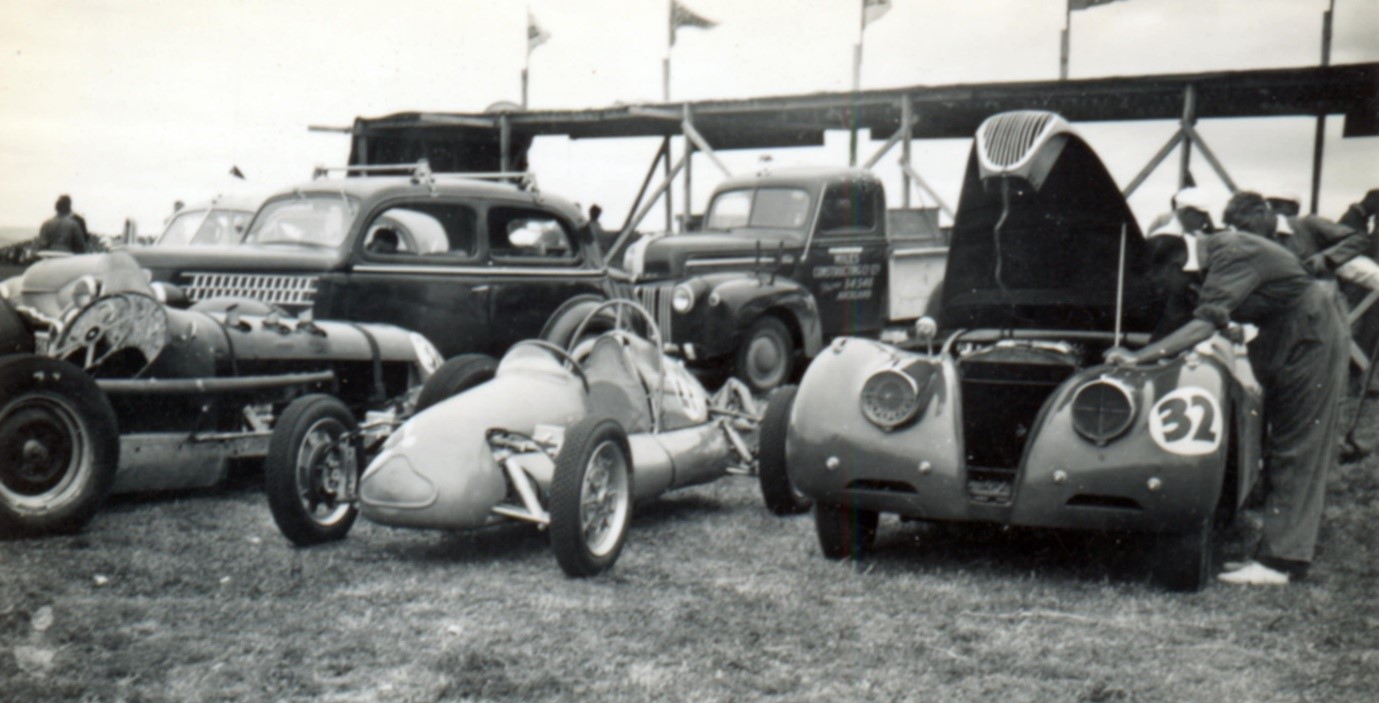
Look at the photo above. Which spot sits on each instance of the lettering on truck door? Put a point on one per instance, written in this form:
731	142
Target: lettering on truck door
846	265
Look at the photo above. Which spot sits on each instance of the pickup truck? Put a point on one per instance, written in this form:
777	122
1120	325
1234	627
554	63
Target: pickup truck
786	261
473	266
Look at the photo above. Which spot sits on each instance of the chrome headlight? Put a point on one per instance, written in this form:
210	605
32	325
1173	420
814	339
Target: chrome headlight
891	398
428	357
682	298
1103	410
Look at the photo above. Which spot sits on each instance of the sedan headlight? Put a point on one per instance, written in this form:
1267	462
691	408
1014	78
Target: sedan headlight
428	357
1103	410
892	397
682	298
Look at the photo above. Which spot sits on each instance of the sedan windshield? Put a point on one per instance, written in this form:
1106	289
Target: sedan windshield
216	226
771	208
313	220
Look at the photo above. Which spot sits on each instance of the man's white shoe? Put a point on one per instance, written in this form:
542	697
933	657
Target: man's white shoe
1254	574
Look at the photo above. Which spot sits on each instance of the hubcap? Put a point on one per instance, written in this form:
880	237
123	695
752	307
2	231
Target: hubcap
44	452
604	498
764	356
324	472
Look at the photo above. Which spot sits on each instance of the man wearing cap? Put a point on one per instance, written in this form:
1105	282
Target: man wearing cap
1325	248
1299	356
62	232
1190	215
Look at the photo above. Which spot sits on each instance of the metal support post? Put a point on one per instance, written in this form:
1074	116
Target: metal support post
505	134
689	174
907	119
1189	118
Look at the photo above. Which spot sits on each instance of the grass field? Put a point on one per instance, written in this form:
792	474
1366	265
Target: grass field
197	597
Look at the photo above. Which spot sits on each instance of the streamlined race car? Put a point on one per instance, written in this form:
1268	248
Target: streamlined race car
104	387
562	438
1006	413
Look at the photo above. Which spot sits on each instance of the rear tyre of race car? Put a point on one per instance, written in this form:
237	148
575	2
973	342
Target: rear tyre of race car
456	376
1183	560
59	446
766	356
591	497
311	474
779	494
844	532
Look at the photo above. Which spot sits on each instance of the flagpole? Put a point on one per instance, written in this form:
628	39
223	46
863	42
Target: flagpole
670	46
1065	38
857	81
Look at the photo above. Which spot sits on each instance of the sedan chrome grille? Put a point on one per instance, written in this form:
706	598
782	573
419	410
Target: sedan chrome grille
281	289
656	298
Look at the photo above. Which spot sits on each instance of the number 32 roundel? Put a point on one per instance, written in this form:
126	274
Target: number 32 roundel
1186	422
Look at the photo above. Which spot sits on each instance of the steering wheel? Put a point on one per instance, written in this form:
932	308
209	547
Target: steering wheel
620	323
111	324
563	355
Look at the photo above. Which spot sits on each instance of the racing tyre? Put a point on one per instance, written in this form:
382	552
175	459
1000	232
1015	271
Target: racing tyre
1183	560
59	446
454	377
591	497
311	474
845	532
780	495
560	330
766	356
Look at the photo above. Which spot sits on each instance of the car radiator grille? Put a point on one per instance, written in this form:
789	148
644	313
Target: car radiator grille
656	299
286	290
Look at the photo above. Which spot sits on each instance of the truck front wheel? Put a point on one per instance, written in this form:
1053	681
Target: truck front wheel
766	356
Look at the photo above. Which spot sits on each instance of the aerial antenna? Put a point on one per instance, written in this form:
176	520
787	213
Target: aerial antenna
1120	285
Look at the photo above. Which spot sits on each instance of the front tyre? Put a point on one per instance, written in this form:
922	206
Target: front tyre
59	446
779	494
591	497
311	474
844	532
766	356
1183	560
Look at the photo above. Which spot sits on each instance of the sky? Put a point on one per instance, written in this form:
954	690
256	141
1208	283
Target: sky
129	105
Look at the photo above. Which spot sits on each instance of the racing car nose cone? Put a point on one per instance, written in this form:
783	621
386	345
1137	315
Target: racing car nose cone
395	484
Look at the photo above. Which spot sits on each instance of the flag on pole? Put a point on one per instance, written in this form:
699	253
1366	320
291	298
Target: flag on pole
536	36
1074	5
681	16
872	10
234	171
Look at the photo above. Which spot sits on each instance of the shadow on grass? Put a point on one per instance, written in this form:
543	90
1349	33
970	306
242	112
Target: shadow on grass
1009	552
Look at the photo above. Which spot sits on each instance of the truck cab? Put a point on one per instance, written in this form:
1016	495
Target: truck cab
785	261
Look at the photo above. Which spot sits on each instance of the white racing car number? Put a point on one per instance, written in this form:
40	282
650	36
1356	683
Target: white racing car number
1186	422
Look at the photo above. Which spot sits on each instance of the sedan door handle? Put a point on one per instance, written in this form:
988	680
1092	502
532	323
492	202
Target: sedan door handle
480	289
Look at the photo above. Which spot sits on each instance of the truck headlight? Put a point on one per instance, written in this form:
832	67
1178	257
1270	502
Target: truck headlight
892	397
428	357
682	298
1102	410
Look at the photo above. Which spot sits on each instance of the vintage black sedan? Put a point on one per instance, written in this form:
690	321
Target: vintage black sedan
1004	413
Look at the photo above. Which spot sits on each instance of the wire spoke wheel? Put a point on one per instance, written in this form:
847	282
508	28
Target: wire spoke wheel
603	501
591	497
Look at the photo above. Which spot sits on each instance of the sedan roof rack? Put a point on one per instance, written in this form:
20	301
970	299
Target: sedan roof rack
421	173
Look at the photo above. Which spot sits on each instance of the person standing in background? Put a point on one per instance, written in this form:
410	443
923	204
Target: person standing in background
62	232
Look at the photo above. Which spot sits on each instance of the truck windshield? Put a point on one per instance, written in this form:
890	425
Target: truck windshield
774	208
318	220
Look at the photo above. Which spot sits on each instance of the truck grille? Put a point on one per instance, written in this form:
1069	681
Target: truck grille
285	290
656	298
